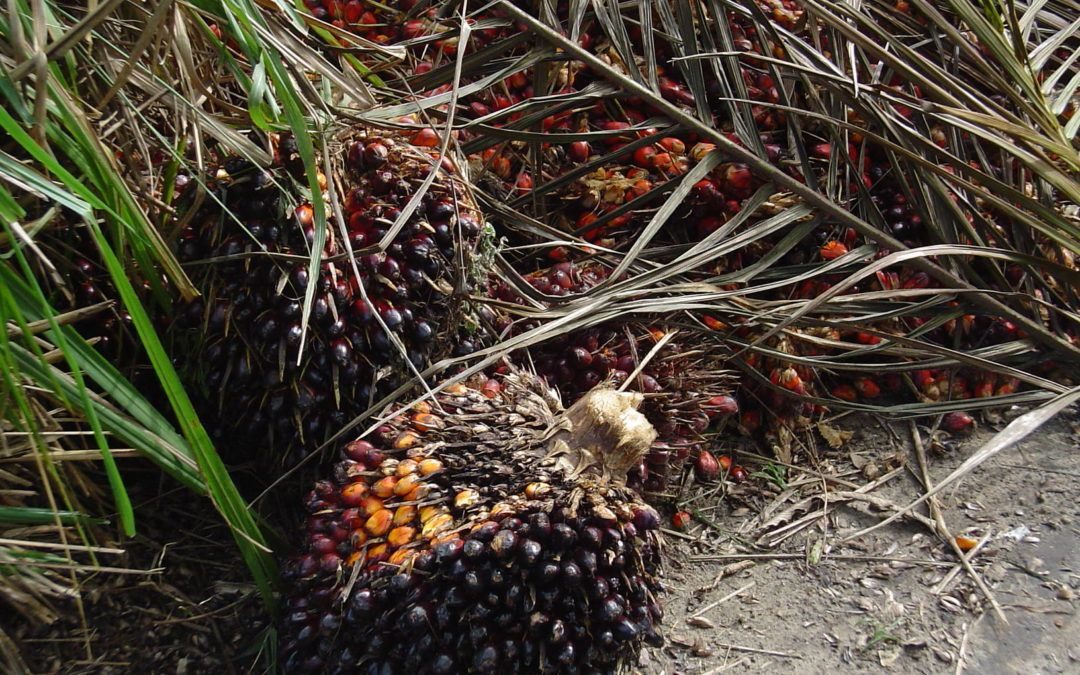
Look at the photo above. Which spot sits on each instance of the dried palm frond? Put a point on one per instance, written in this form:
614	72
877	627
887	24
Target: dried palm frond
962	119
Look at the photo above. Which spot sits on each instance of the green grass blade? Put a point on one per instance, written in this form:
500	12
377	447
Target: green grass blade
112	472
28	515
221	489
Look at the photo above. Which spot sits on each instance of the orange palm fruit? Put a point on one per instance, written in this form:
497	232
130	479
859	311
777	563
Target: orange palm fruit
384	487
379	523
399	536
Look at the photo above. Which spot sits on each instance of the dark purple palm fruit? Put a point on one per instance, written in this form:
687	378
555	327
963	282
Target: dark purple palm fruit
371	323
466	537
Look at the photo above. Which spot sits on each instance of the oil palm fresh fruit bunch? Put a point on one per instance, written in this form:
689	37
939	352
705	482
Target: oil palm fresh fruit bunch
488	531
686	389
386	297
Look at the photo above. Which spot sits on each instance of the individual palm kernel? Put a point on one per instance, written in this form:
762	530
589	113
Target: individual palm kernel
404	515
352	493
370	505
437	525
407	484
406	467
466	498
429	512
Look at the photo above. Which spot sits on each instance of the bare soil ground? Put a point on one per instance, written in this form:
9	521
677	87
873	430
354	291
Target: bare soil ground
764	581
768	588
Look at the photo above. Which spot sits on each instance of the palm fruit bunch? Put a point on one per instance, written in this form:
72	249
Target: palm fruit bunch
685	391
376	313
488	531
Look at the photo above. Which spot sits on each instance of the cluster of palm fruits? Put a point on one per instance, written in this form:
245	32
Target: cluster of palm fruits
465	536
685	391
369	323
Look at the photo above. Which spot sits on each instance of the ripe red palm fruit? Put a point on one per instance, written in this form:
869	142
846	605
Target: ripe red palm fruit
721	406
706	466
789	379
426	138
832	250
737	179
845	392
821	150
540	573
957	422
867	387
579	151
673	145
681	520
524	183
866	338
644	156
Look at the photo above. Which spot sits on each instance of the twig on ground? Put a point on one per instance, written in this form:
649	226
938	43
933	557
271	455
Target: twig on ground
944	584
722	600
729	666
675	533
801	556
963	644
885	505
725	572
753	650
942	530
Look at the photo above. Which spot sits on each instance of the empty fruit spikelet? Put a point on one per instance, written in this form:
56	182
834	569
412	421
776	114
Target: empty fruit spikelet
517	546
